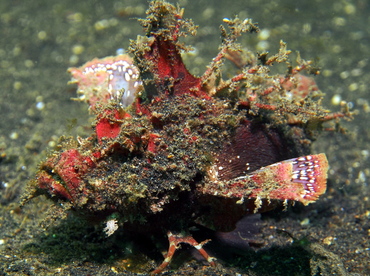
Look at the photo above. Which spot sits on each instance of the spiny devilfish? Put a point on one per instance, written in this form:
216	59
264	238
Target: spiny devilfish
170	151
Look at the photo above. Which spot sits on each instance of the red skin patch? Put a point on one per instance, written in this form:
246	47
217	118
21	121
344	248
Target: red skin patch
109	124
62	175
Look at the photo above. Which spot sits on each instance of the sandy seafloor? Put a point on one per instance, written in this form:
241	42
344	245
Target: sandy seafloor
39	40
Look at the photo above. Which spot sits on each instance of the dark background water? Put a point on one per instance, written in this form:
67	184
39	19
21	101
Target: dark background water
39	40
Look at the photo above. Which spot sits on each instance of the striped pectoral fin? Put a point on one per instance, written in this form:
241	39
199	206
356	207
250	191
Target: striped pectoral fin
301	179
